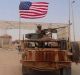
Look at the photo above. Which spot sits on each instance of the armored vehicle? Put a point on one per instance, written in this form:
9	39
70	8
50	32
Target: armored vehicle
44	53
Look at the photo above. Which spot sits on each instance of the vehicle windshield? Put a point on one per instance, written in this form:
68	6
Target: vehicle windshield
41	44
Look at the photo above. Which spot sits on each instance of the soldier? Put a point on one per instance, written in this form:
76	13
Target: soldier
19	48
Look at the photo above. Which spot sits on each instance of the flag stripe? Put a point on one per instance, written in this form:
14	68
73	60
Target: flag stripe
30	11
32	14
38	11
32	7
30	17
39	8
40	3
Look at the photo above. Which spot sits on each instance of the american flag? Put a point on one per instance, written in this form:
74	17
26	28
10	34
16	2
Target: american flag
33	10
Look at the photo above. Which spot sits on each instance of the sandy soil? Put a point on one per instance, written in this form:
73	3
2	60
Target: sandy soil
75	69
10	63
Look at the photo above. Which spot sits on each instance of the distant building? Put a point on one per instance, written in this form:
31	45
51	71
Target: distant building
5	41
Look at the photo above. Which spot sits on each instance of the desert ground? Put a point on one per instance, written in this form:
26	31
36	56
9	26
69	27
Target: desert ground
10	63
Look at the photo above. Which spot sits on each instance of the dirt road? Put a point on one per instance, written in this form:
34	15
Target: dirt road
75	69
10	63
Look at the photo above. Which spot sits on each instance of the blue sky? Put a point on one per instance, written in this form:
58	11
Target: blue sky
58	12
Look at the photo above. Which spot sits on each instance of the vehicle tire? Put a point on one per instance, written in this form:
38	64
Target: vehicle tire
24	70
52	72
65	71
27	71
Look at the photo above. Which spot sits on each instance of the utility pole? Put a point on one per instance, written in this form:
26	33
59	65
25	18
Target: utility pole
71	11
72	2
69	20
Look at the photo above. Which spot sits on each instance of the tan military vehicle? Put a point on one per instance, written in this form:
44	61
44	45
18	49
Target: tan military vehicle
44	53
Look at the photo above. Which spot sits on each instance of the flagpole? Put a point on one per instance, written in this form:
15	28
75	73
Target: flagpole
19	28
